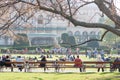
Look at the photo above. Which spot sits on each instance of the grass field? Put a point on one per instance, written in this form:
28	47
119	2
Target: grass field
59	76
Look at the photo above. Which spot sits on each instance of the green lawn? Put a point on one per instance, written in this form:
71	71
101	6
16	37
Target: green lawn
59	76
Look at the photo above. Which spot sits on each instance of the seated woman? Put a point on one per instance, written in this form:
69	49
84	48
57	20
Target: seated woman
78	63
43	64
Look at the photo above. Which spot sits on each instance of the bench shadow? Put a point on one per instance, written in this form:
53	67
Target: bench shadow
75	73
36	78
102	73
118	73
88	73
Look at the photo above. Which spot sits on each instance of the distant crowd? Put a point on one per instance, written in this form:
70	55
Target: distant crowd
91	53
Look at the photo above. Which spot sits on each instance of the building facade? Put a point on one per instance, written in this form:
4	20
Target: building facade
54	24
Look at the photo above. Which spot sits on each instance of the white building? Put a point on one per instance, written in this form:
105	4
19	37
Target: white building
49	23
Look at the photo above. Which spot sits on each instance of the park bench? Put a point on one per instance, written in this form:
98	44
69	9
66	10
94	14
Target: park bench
57	65
13	65
67	64
93	64
60	65
70	64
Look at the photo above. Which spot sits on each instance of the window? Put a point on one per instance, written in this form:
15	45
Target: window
84	36
70	33
48	19
40	19
77	33
92	33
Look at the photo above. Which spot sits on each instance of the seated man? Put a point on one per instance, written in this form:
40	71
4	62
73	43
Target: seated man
57	66
78	63
116	66
2	62
7	60
19	59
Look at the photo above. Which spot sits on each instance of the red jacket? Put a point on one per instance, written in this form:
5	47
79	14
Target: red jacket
78	62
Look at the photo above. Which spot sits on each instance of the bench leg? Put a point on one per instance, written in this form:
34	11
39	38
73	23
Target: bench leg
80	69
44	69
57	69
84	69
11	69
1	68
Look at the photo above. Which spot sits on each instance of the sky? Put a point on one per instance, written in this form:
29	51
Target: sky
117	2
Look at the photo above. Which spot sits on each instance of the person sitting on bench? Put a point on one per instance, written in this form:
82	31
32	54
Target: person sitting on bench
78	63
43	63
20	59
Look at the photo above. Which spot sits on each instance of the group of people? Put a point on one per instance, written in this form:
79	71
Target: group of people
78	63
116	65
4	60
113	67
94	53
7	58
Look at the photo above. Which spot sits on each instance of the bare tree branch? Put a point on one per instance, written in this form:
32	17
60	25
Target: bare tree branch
60	5
82	6
9	3
68	1
108	12
38	2
64	8
101	39
92	40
